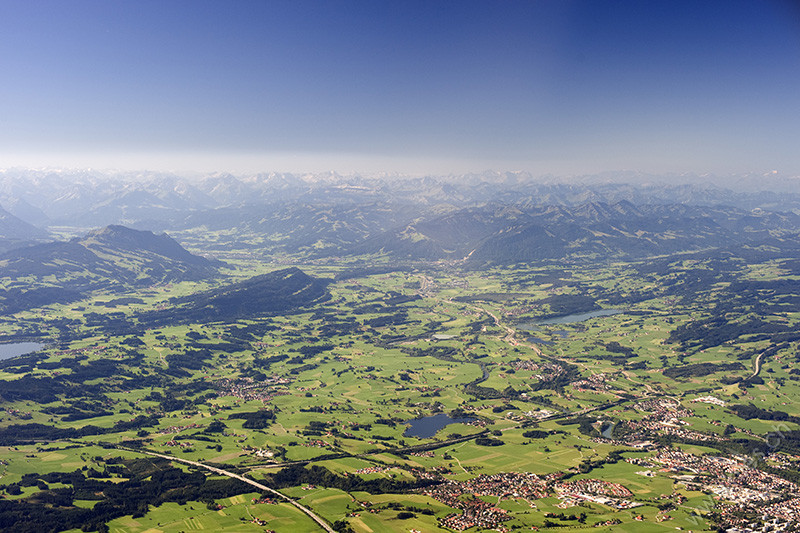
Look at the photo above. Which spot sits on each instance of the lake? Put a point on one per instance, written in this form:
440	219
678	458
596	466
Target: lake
571	319
428	426
7	351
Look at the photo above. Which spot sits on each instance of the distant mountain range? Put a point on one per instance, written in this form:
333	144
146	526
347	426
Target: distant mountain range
113	258
160	201
476	219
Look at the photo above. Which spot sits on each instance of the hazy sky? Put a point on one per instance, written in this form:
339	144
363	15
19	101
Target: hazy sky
430	86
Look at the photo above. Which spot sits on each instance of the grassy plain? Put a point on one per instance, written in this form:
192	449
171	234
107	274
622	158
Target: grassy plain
341	380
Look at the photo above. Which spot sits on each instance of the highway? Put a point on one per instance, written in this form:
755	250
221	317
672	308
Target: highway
308	512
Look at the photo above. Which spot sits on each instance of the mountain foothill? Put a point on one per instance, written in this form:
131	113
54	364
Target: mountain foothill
474	221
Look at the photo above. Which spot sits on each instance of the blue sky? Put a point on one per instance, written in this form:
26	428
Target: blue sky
434	86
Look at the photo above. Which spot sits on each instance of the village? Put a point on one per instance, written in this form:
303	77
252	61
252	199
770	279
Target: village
478	512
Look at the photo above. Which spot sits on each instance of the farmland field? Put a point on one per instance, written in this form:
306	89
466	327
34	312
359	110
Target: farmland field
314	403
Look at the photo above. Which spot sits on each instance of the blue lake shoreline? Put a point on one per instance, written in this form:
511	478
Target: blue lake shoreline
569	319
428	426
8	351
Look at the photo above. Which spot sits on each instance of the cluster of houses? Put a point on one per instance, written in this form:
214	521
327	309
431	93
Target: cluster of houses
594	383
595	490
372	470
477	512
732	478
16	413
740	489
247	389
177	429
73	352
787	509
542	371
664	417
315	443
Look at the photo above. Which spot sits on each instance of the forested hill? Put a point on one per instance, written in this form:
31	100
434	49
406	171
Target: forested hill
118	240
112	258
277	292
14	230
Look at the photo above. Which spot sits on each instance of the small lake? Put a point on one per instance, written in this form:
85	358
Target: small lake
428	426
571	319
7	351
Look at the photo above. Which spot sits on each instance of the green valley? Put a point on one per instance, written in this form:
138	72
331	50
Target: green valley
374	358
574	417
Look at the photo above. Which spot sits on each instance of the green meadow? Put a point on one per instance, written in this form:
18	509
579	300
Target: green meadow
333	387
